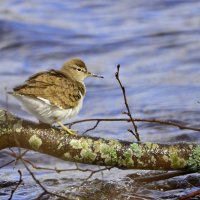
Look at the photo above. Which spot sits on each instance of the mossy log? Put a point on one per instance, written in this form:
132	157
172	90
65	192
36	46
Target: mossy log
17	132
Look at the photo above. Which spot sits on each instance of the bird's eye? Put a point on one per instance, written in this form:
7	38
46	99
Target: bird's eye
79	70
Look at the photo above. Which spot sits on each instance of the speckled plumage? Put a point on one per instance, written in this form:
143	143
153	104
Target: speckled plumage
59	89
54	95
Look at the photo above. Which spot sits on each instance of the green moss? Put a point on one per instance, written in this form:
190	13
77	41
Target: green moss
193	163
35	142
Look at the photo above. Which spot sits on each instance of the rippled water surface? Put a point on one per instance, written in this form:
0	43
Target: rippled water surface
156	42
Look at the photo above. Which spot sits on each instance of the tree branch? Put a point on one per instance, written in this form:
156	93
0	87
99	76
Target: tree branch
16	132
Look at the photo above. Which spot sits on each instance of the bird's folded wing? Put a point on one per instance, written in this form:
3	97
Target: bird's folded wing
54	86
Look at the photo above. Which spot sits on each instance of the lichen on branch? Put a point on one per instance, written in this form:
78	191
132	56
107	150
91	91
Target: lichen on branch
16	132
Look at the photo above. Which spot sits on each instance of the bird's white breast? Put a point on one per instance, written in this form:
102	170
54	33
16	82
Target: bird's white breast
45	112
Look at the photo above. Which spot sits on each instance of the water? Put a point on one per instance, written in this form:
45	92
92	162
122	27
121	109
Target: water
156	43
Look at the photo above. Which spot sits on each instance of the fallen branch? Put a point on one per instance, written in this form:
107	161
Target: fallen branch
16	132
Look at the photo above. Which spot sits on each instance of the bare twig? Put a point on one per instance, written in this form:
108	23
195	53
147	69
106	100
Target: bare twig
38	182
19	157
90	129
66	170
15	155
164	122
136	134
94	172
6	164
18	184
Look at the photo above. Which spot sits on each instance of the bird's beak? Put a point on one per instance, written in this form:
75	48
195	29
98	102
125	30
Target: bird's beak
94	75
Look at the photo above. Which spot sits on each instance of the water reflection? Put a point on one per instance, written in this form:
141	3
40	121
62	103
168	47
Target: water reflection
156	43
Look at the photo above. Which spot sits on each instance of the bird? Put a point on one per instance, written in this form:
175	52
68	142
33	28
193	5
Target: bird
54	96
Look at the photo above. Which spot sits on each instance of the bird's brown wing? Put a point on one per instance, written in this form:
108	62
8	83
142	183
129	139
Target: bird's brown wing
54	86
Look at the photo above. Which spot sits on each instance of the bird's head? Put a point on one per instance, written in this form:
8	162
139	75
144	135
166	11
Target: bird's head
77	69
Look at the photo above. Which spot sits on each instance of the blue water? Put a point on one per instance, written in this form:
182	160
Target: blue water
156	43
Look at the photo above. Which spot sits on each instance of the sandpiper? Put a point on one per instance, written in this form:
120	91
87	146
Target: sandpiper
54	96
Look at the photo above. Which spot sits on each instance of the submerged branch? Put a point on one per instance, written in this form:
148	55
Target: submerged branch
16	132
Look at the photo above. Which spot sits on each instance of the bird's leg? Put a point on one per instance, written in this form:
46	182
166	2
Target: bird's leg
66	128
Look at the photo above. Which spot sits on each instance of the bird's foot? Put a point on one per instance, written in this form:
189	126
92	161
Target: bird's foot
70	131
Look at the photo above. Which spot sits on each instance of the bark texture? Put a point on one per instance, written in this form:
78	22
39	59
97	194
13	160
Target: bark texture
16	132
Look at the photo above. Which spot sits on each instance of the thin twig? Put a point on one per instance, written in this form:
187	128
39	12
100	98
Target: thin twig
94	172
59	170
90	129
136	134
164	122
38	182
6	164
18	184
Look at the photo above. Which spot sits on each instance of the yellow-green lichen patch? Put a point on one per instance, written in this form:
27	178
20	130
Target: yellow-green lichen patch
2	115
191	146
128	161
109	153
155	147
115	144
153	160
88	155
18	126
60	146
82	143
86	143
67	155
176	161
97	145
75	143
165	158
194	160
35	142
6	116
137	150
61	142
